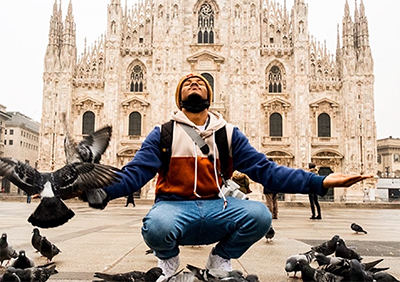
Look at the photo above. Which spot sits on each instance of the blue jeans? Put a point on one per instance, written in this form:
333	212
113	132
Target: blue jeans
170	224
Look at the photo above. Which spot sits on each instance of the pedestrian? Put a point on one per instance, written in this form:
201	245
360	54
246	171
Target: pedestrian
243	181
189	207
28	199
314	197
130	200
271	200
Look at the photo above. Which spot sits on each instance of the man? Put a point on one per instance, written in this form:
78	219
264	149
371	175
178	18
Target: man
187	210
313	198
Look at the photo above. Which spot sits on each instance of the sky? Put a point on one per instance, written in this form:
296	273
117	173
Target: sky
24	28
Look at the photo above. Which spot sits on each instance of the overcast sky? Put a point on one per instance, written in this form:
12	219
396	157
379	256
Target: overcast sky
24	27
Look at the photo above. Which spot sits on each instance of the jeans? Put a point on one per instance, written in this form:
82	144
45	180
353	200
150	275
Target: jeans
170	224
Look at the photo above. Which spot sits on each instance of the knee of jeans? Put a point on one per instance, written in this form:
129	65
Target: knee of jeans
157	229
262	216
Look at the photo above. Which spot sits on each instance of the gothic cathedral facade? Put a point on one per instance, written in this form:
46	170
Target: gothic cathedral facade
294	100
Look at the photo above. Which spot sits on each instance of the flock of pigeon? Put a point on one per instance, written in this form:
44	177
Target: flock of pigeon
20	268
83	176
336	262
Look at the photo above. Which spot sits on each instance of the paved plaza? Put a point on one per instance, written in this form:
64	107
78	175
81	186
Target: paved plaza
110	240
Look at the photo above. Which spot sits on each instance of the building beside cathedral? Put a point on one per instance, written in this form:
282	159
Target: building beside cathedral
296	101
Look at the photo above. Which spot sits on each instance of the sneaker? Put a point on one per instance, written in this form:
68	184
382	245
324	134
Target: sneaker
168	266
217	262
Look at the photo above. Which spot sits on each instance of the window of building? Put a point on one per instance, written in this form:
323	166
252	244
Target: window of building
379	159
205	33
10	142
135	123
275	125
137	76
88	122
5	131
324	125
5	142
11	131
210	80
275	80
396	158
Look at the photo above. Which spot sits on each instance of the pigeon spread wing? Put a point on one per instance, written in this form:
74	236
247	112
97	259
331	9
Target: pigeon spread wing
92	147
21	174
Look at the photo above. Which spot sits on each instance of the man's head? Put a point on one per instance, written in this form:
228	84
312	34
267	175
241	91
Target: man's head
193	93
311	165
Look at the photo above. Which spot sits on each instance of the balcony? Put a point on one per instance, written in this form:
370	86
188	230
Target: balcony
326	142
276	141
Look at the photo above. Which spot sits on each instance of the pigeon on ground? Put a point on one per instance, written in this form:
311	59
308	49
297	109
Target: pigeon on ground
10	275
7	252
55	186
350	269
293	262
36	240
89	149
217	275
309	274
48	249
328	247
34	274
344	252
384	277
135	276
22	261
270	234
357	228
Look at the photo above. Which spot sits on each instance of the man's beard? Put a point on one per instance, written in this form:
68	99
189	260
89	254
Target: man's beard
195	104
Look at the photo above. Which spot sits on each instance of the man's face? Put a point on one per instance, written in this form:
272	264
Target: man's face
194	85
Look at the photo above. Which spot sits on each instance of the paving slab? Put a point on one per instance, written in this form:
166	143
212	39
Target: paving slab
110	240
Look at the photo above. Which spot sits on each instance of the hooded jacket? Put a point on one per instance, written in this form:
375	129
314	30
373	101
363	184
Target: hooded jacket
192	176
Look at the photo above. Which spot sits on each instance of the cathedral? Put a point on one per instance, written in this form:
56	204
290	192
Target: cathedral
294	100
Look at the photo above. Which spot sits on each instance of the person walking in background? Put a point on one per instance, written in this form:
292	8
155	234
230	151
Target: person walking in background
271	200
314	197
130	200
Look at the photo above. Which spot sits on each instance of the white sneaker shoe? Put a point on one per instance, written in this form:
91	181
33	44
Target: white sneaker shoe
168	266
217	262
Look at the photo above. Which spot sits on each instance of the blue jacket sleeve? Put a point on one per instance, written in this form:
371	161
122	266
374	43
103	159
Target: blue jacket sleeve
140	170
273	177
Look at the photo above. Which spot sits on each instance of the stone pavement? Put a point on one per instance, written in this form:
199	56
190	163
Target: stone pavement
110	240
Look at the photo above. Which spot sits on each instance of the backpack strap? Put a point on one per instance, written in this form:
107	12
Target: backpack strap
166	144
221	139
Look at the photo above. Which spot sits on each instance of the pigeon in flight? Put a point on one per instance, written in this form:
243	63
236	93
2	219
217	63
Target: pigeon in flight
22	261
48	249
54	186
357	228
36	240
328	247
7	252
270	234
150	276
344	252
34	274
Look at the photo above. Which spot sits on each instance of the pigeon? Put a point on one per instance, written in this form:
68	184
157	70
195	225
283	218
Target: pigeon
55	186
309	274
48	249
293	262
216	275
325	260
344	252
384	277
22	261
135	276
90	149
7	252
10	275
357	228
36	240
270	234
33	274
328	247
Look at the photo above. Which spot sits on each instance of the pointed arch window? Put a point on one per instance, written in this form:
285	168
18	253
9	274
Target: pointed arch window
88	122
205	29
210	80
324	125
275	80
275	125
136	79
135	124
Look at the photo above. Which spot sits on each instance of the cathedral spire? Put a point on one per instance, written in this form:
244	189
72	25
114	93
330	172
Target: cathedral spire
348	28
